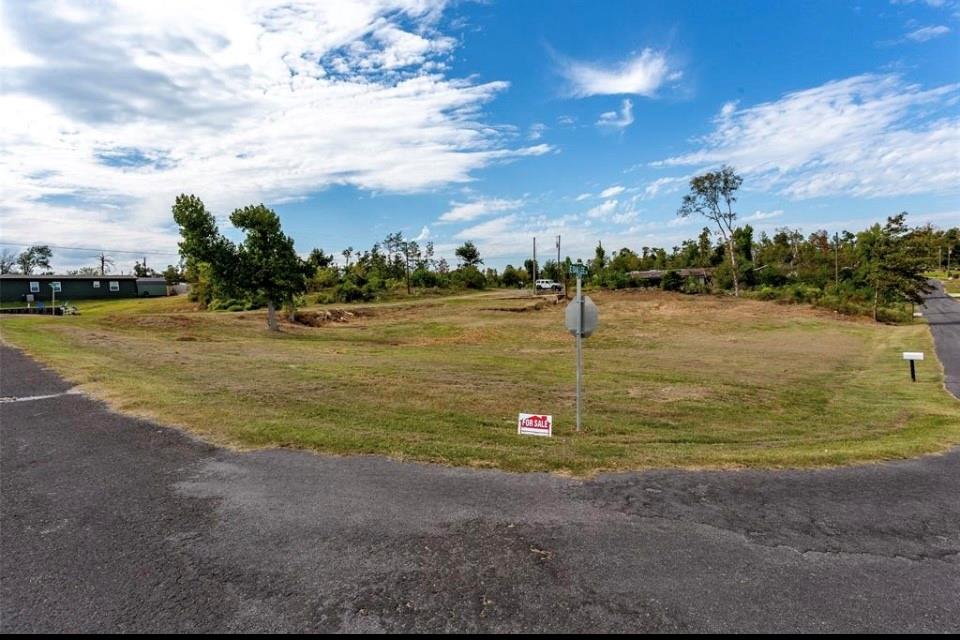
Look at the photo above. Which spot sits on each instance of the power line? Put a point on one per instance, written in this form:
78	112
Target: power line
138	253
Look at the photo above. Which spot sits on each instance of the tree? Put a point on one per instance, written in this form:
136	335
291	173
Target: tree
8	260
712	195
143	271
172	275
265	265
469	254
268	264
346	253
105	263
531	266
891	264
599	259
318	259
36	257
512	277
84	271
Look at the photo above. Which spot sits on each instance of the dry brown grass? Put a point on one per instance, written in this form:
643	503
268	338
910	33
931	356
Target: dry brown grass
671	380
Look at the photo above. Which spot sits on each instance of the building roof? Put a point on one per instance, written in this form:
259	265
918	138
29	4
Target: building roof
20	276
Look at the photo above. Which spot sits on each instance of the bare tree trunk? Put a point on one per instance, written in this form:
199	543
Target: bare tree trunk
272	317
733	261
876	303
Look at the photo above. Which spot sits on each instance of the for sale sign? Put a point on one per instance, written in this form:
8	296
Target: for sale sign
534	424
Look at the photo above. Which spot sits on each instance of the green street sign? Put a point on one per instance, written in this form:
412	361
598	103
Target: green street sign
578	269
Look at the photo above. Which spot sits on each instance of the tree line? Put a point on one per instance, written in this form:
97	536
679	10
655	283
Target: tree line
878	271
875	271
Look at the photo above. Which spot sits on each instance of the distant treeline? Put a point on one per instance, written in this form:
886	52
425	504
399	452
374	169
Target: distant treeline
879	271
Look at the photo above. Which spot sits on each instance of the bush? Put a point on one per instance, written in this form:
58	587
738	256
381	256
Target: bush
424	279
671	281
694	286
347	291
469	277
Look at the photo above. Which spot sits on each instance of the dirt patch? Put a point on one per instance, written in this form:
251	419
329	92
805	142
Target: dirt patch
535	306
327	316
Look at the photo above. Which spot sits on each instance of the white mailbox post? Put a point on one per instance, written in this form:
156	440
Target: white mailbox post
913	356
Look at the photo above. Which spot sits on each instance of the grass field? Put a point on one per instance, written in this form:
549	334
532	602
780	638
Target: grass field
950	285
671	380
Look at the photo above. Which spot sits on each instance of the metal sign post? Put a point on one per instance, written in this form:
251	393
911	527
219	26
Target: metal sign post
579	299
581	321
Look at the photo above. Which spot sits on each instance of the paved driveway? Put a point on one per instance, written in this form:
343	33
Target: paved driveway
115	524
943	314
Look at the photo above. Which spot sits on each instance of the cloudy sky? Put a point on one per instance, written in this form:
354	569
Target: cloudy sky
488	121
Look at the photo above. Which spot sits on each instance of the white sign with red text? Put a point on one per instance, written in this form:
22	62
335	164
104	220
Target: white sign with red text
535	424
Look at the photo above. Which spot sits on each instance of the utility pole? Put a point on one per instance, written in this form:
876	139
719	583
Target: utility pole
103	264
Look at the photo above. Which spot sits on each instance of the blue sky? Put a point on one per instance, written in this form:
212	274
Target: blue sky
485	121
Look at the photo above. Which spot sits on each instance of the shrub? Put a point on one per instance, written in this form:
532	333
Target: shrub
470	277
671	281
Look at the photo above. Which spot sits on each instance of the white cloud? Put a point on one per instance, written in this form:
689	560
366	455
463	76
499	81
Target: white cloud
537	130
130	104
603	209
610	192
928	33
424	234
664	185
762	215
615	120
869	135
466	211
931	3
641	75
583	196
489	230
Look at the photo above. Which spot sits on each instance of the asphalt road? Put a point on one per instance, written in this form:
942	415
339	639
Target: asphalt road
114	524
943	314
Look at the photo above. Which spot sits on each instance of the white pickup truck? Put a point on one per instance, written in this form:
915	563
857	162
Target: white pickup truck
548	285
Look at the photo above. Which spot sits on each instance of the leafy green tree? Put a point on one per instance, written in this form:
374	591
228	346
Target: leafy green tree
530	266
263	266
891	264
512	277
36	257
599	259
469	255
143	271
172	275
268	265
318	259
712	195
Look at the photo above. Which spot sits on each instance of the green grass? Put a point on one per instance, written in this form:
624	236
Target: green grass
950	285
671	380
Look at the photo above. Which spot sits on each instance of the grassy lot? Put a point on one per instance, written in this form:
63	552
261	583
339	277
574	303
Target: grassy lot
671	380
950	285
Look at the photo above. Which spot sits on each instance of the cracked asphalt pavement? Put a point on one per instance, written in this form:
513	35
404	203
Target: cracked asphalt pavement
109	523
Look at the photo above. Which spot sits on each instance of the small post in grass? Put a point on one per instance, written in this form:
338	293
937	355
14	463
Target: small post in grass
913	356
581	320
